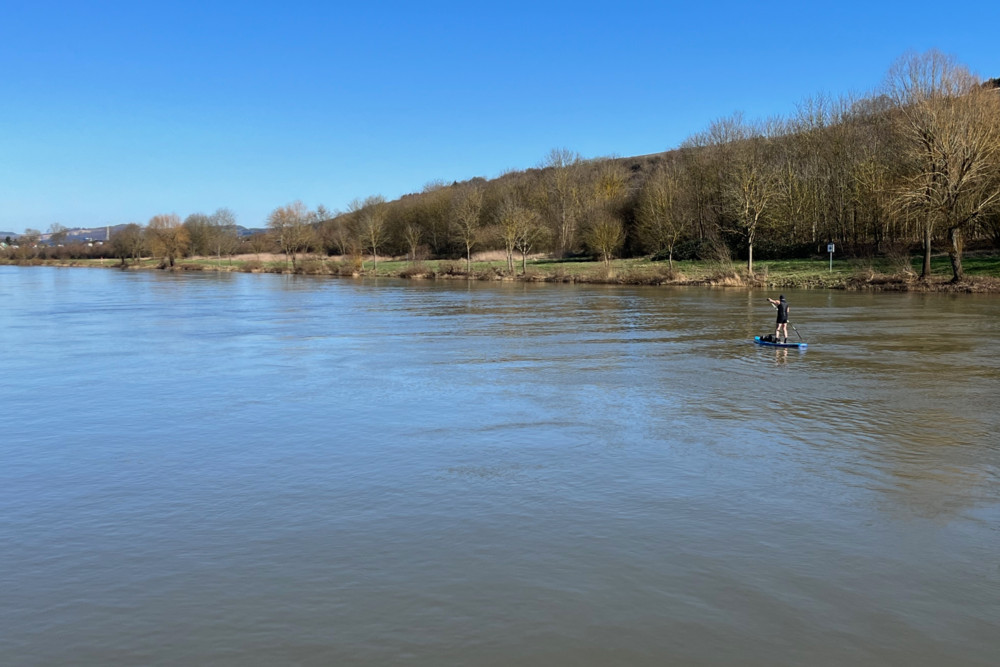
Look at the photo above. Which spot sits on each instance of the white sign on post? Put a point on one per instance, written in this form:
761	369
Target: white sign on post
829	249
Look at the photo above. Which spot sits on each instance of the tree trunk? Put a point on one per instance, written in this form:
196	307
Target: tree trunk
925	273
750	259
955	254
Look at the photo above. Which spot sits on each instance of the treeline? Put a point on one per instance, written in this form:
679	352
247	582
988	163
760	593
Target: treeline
915	165
164	236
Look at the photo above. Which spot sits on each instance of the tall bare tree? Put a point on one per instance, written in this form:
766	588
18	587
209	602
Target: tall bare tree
662	220
371	216
563	197
467	208
951	125
749	184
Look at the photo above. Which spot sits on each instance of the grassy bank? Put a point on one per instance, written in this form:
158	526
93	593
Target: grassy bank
982	271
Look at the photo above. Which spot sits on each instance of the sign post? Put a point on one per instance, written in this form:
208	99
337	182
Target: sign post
829	249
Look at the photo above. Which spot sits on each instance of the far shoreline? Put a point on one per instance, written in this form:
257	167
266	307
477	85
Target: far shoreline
854	275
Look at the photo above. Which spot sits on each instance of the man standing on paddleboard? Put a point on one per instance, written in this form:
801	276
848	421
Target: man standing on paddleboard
782	326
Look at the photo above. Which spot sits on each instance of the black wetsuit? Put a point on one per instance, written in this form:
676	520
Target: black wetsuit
782	312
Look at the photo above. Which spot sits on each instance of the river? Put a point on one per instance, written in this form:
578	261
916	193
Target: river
247	469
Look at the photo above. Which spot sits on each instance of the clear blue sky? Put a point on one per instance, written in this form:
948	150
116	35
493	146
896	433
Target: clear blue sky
113	112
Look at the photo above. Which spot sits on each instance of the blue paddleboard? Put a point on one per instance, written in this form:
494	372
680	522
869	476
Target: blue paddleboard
766	343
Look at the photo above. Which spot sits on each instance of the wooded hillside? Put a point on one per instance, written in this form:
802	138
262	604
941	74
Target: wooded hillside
916	165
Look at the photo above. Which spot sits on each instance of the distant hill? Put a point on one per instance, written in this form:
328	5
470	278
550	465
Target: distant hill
88	234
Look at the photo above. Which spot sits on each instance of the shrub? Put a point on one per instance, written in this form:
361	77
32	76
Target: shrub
311	266
346	267
451	269
724	276
489	273
897	256
689	249
415	270
665	274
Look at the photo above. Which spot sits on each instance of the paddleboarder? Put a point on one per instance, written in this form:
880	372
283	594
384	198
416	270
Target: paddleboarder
782	325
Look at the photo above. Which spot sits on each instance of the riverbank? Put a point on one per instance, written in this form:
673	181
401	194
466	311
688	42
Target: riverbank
982	271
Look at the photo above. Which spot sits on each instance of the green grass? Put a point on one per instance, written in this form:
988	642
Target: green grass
973	265
846	273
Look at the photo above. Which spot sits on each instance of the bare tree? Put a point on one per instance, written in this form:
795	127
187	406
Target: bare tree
371	215
431	212
225	234
530	233
563	197
260	242
199	229
128	243
662	220
57	234
290	229
412	236
749	183
605	234
466	210
336	235
167	237
611	186
513	220
603	231
27	244
951	125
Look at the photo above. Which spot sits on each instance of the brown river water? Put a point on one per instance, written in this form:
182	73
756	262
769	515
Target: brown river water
274	470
